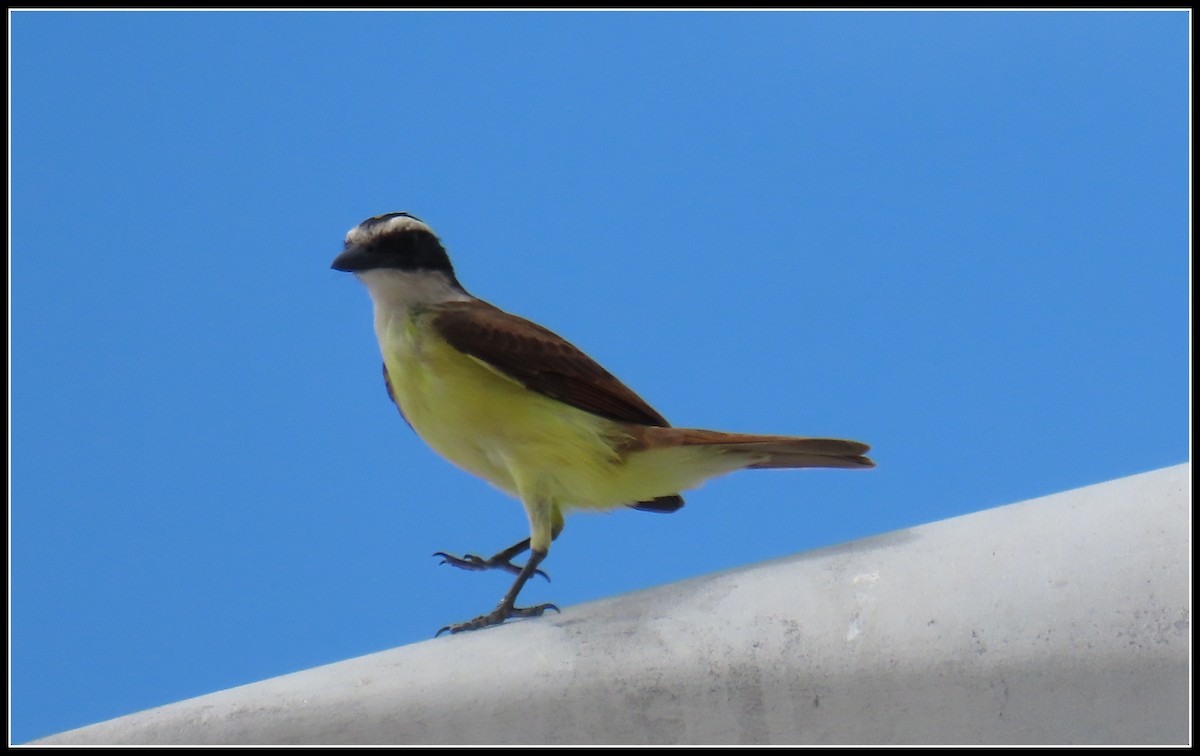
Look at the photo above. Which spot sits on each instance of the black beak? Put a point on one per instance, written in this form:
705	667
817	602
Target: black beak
354	258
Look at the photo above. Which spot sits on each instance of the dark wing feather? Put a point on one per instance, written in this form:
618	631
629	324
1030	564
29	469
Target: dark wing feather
540	360
387	383
662	505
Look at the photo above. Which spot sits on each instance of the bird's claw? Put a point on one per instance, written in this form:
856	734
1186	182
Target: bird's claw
476	563
466	561
496	617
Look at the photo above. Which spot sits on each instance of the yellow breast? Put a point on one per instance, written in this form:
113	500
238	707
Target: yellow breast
525	443
489	424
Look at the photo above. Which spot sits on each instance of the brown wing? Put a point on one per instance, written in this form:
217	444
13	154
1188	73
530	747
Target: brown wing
540	360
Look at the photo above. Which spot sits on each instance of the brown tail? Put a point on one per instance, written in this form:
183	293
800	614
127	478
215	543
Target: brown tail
780	451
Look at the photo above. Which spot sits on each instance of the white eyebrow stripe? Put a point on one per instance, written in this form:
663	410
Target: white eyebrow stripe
366	231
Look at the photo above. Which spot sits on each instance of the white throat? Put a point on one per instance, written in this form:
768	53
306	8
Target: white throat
402	290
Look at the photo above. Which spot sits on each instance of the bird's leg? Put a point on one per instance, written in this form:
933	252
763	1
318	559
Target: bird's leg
507	608
501	561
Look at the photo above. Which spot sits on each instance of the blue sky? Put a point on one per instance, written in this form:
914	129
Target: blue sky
960	237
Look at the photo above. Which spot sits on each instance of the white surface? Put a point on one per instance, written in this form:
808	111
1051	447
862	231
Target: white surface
1064	619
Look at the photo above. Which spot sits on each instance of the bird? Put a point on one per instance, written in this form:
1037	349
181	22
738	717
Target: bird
521	407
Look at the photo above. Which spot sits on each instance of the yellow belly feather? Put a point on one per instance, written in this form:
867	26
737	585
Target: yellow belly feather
532	446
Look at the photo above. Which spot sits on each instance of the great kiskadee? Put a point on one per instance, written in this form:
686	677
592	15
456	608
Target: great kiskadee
524	409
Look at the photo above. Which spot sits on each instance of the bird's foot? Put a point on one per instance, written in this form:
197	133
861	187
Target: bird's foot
496	617
479	564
